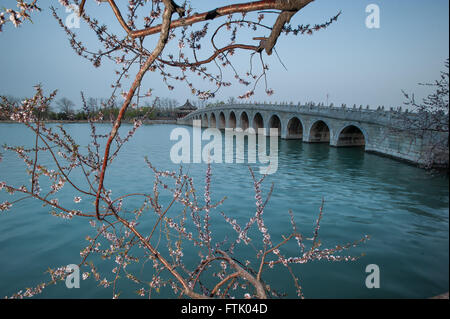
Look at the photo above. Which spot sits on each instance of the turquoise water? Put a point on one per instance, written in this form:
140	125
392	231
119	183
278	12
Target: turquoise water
403	208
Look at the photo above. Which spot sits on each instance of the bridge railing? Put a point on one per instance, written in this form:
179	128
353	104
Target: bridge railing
343	108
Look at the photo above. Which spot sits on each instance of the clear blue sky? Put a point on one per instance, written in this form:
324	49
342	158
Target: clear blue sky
353	64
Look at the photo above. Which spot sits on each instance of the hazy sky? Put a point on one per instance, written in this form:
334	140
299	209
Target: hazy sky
348	61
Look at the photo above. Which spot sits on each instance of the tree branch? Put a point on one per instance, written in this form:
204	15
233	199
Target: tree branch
212	57
167	15
260	292
283	5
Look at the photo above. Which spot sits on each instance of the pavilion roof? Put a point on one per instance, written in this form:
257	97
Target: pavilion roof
187	107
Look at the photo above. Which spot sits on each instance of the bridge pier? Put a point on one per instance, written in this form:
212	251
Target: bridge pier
284	134
334	142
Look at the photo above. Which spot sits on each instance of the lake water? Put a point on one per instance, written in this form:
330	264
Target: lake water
403	208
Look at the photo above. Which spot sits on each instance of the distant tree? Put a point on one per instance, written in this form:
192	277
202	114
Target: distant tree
168	103
231	100
80	116
215	103
92	104
66	106
199	104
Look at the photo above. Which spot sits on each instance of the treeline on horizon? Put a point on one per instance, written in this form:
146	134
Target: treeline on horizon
64	109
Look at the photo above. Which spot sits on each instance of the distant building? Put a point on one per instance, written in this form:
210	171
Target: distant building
184	110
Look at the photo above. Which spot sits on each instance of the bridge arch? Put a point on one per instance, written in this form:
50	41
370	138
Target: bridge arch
212	120
275	122
319	132
245	123
258	121
294	128
232	120
222	121
351	135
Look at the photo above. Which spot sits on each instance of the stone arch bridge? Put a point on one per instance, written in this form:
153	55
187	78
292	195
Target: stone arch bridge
337	126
